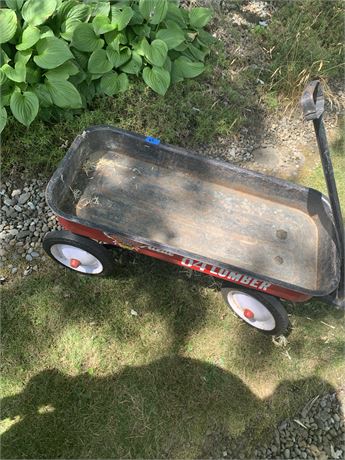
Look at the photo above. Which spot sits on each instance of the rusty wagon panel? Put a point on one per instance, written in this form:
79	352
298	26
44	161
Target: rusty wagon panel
116	181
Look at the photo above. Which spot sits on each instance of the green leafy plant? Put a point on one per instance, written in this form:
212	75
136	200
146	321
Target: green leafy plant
59	54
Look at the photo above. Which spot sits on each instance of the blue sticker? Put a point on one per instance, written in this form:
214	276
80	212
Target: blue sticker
152	140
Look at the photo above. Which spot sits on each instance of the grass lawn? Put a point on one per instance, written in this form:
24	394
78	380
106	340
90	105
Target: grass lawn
83	377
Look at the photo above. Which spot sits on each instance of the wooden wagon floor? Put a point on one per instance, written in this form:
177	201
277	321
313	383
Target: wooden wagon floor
175	208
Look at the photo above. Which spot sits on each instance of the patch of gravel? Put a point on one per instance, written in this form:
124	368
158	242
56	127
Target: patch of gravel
25	219
317	432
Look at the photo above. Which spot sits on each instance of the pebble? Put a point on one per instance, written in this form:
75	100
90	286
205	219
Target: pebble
23	198
24	220
322	437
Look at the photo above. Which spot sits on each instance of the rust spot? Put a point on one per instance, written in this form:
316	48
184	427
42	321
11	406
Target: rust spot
281	234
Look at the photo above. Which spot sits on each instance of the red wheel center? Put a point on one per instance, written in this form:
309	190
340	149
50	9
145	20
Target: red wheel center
74	263
248	313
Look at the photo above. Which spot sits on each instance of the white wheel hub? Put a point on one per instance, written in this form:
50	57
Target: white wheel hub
251	310
76	258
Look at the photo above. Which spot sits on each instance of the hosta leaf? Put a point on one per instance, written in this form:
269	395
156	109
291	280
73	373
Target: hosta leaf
63	72
3	118
64	94
156	53
134	65
17	74
196	53
33	75
6	92
112	83
173	36
81	58
99	62
8	24
65	8
154	11
167	64
23	56
142	30
206	38
81	12
102	25
43	95
199	17
68	27
85	39
36	12
118	59
12	4
137	17
100	7
78	78
122	17
176	14
157	79
115	39
4	59
52	52
3	77
46	32
30	37
95	76
185	68
24	106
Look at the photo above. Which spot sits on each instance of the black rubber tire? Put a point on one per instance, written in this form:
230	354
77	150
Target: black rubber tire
273	305
96	249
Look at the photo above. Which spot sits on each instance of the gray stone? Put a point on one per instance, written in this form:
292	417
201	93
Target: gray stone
28	258
17	208
287	453
23	198
16	193
23	234
14	270
9	202
35	254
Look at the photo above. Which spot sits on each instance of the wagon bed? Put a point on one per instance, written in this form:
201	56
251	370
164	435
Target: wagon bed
118	182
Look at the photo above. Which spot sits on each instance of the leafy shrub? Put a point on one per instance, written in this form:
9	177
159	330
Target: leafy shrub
306	41
59	54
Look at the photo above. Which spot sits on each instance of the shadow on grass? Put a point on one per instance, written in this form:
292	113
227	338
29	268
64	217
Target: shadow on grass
171	406
165	409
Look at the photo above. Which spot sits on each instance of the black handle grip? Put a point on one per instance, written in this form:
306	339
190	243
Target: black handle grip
312	100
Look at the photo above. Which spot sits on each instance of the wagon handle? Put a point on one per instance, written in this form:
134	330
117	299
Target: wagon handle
312	102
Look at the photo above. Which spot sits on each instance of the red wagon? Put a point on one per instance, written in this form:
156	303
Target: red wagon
265	238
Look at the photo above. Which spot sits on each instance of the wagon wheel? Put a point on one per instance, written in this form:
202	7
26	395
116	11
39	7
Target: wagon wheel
78	253
261	311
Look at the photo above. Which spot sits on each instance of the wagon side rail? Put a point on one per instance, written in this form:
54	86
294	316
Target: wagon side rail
312	102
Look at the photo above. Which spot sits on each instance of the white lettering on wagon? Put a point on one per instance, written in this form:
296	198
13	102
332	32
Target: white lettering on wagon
226	274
